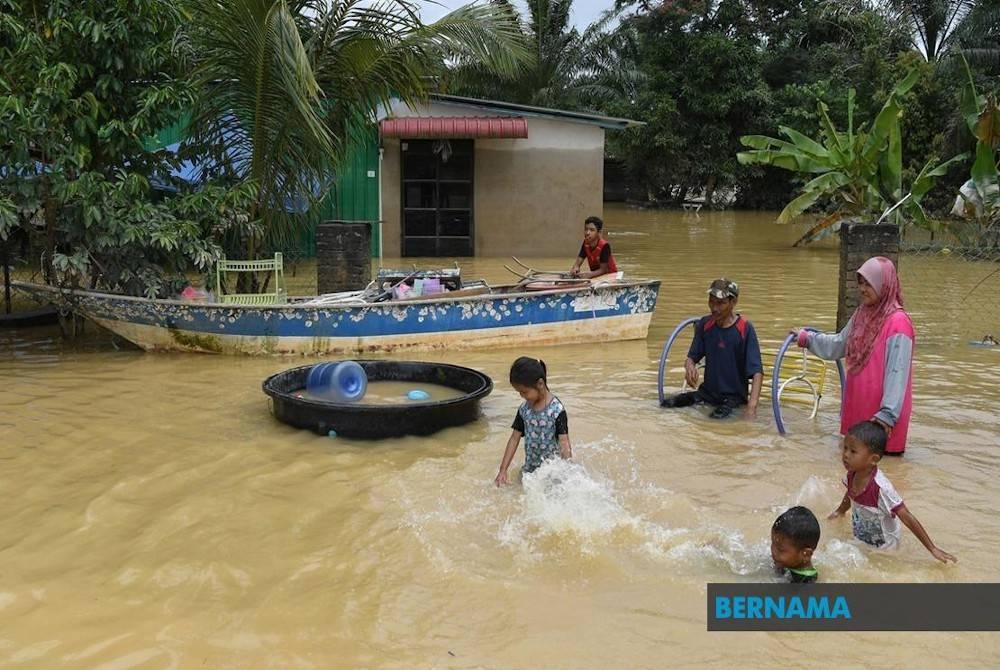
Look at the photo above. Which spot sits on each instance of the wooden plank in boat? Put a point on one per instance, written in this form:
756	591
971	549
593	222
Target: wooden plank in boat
549	285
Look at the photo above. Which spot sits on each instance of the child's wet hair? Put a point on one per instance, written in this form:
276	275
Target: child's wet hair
596	220
870	434
527	371
799	525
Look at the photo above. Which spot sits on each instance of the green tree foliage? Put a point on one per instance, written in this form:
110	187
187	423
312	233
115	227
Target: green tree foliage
258	102
704	88
860	169
284	86
778	59
982	117
567	69
936	29
81	86
978	36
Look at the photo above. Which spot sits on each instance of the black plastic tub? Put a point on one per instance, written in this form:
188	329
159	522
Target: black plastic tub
379	421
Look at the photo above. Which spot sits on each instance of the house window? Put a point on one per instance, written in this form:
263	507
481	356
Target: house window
437	197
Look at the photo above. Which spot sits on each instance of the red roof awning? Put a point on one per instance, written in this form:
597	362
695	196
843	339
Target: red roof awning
454	127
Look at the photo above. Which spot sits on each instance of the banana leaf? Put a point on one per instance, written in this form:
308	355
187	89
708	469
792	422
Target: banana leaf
850	120
825	226
765	142
833	137
987	128
916	212
971	102
788	160
827	183
984	169
892	167
925	180
804	143
798	205
888	117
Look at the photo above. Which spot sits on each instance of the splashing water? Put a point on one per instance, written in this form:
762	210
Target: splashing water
564	504
815	493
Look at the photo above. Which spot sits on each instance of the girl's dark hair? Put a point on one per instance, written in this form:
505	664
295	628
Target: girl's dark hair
596	220
870	434
527	371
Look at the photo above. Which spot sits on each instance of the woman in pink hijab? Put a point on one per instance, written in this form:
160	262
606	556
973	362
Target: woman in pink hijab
877	345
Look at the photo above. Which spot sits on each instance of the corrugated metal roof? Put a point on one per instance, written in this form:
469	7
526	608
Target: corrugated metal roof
454	127
499	106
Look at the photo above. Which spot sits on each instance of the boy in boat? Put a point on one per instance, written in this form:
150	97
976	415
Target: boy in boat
729	345
595	250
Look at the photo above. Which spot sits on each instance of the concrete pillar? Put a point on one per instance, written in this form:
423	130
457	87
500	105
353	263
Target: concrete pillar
343	256
858	243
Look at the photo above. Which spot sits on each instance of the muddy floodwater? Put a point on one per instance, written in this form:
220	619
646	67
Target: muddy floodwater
154	515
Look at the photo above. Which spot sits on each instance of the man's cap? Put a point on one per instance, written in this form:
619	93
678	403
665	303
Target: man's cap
724	289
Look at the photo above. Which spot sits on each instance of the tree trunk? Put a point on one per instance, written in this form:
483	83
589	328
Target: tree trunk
5	259
710	190
49	212
858	243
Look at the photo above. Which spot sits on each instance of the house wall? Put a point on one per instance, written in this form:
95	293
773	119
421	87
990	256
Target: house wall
530	196
355	195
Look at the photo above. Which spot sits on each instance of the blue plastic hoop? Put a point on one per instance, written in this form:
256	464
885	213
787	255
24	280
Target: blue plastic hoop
666	350
776	379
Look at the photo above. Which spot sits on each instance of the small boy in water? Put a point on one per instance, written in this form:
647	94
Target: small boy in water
876	507
794	537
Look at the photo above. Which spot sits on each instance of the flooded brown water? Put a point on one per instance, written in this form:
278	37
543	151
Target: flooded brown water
154	515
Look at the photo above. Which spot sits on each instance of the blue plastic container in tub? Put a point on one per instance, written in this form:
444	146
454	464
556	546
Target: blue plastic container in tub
371	421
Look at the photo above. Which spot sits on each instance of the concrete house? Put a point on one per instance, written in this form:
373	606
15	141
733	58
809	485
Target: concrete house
466	177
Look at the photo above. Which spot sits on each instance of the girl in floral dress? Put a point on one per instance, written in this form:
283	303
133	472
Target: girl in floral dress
541	420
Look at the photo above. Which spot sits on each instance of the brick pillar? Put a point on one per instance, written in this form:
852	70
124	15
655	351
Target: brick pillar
858	243
343	256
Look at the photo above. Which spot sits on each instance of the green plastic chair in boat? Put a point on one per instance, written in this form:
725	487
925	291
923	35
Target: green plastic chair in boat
276	294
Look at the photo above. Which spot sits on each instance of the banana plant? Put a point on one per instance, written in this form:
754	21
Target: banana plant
982	116
860	170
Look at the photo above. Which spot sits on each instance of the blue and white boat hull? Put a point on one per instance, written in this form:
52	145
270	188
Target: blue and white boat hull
619	310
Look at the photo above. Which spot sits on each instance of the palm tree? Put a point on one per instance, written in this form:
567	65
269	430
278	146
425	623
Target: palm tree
978	36
284	83
939	28
366	54
569	69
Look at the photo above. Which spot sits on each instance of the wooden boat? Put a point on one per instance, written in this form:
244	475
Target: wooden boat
477	316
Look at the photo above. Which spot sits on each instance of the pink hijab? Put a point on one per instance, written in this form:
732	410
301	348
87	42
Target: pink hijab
869	319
